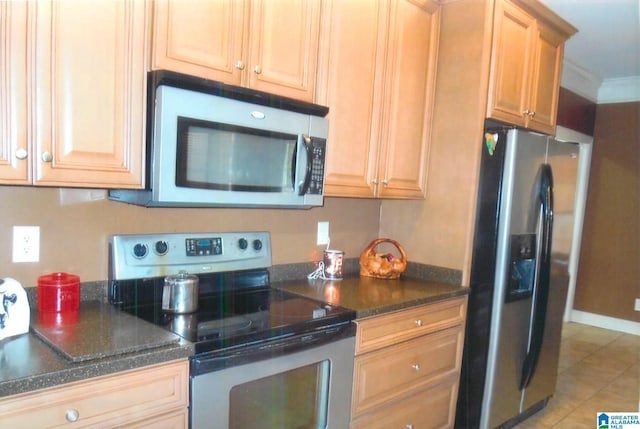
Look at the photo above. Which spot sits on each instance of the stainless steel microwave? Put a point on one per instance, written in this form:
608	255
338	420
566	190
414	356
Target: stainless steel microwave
212	144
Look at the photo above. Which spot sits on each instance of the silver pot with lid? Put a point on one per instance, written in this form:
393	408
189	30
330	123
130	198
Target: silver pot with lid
180	293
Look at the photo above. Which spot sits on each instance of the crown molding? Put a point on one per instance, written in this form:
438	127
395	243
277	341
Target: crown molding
580	81
620	90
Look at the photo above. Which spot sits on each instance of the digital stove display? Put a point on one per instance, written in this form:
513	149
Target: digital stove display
204	246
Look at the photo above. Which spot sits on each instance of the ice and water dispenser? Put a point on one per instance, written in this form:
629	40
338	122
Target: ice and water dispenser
522	267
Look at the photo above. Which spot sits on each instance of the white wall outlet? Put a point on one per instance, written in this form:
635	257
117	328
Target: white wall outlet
637	306
26	243
323	233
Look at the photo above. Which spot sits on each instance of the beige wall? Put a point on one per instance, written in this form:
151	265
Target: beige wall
608	280
74	237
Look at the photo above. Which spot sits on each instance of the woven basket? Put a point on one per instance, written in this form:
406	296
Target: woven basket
382	265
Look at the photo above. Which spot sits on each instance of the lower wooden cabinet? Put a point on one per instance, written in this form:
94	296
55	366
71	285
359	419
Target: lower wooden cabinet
407	367
433	407
152	397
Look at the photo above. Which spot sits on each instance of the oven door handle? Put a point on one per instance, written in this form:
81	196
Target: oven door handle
214	361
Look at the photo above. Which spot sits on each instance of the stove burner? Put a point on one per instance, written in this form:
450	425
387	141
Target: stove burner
222	328
294	310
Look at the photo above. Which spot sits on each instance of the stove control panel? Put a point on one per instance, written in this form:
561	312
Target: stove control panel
204	246
153	255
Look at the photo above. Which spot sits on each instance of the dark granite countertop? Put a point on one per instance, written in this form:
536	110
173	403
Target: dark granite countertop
109	341
369	296
95	345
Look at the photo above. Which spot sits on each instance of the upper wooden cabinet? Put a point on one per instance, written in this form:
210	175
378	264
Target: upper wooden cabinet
266	45
526	66
376	74
78	68
14	168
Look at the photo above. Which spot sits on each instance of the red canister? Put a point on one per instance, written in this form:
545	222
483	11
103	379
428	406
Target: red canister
58	292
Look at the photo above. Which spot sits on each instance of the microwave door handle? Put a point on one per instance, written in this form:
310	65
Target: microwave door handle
304	185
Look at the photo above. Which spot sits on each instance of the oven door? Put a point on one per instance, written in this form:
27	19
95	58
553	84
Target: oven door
309	388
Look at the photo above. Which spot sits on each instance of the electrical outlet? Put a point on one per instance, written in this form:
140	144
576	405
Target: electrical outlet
26	243
323	233
637	306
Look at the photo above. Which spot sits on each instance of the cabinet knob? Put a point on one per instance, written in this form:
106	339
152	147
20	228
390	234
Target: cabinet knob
72	415
416	366
240	65
257	69
21	153
532	114
409	426
385	182
418	323
47	157
375	182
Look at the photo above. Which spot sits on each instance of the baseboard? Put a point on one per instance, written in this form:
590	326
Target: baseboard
605	322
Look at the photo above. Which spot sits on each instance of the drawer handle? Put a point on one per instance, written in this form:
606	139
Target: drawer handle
409	426
418	323
72	415
416	367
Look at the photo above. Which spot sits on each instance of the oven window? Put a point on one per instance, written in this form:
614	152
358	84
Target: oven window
296	399
212	155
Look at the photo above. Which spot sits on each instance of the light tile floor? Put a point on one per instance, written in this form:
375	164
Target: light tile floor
599	370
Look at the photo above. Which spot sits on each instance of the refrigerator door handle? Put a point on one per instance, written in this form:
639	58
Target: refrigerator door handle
542	294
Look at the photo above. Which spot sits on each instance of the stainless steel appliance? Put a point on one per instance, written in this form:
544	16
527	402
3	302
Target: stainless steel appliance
264	357
212	144
519	277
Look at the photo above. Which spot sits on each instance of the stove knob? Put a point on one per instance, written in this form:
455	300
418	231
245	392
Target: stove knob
140	250
161	247
243	244
257	245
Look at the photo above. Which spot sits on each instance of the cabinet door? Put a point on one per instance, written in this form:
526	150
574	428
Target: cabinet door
547	71
439	400
511	64
15	166
283	43
410	80
200	38
350	61
90	92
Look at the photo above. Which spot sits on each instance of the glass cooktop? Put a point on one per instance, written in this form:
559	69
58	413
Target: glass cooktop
227	318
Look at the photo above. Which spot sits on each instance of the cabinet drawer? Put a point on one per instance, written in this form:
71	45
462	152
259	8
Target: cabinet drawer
175	420
393	372
430	408
108	401
380	331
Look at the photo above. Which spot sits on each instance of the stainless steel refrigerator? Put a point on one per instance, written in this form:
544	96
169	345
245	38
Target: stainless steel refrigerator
519	277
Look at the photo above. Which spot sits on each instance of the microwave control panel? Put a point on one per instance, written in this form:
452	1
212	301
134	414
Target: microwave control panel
318	154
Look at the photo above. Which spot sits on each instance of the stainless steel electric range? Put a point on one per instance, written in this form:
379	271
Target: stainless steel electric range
264	357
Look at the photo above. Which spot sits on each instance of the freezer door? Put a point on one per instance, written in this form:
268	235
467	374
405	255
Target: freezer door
519	219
